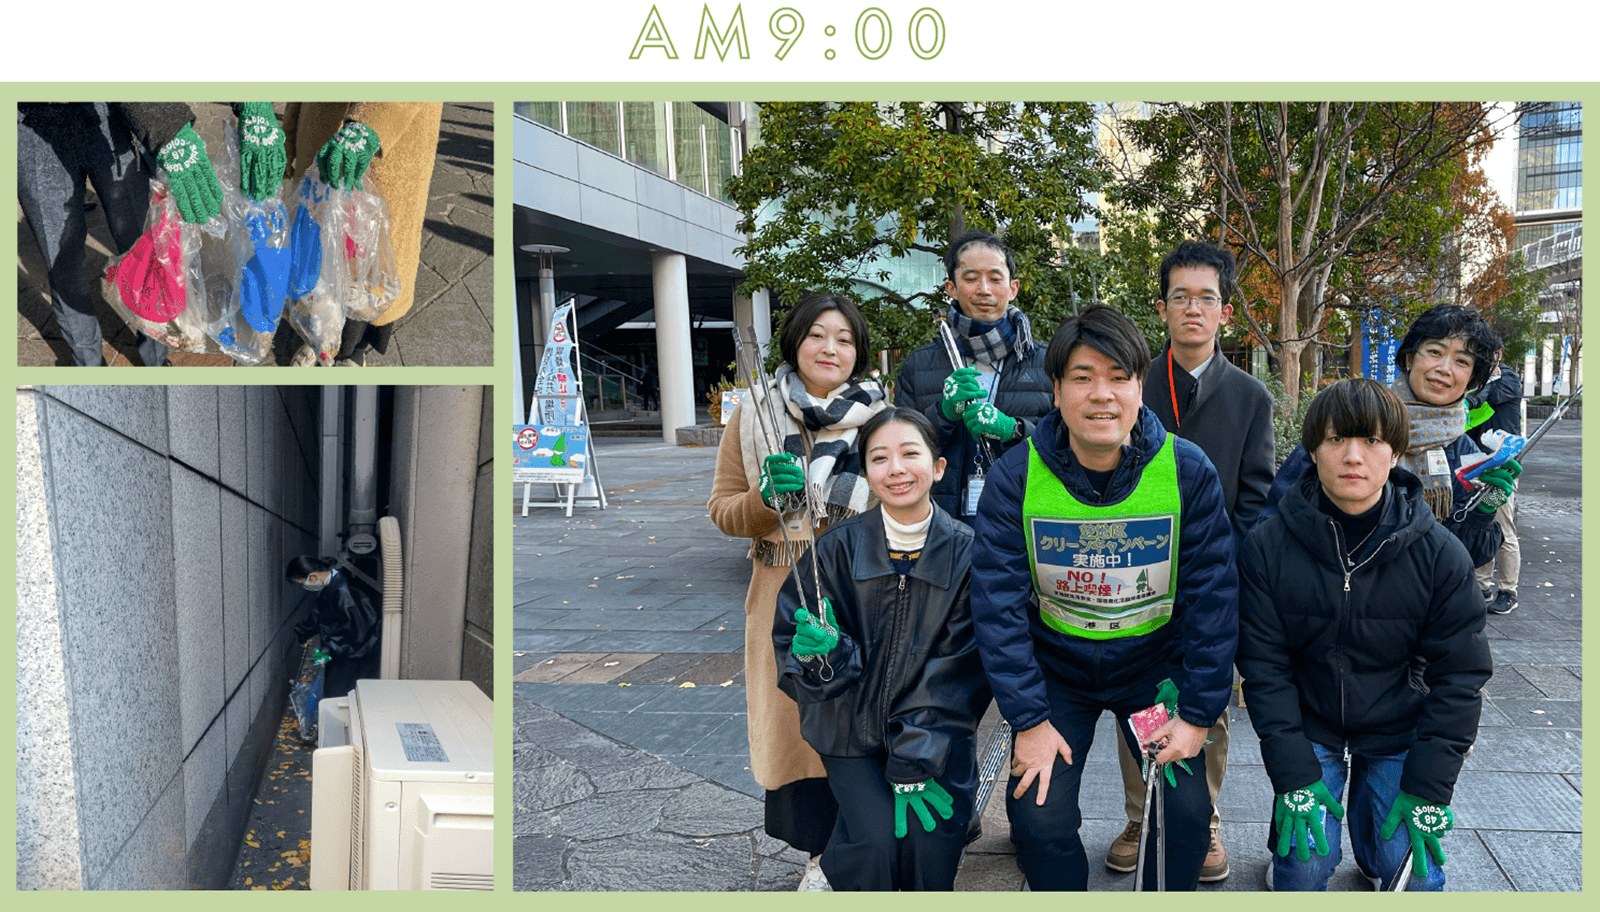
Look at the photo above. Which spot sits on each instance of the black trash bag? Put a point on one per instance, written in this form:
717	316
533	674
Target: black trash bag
345	618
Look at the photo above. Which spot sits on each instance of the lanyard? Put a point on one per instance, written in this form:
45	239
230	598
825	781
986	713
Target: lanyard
1172	389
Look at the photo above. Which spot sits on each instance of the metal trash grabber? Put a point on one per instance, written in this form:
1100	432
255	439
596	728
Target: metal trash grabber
1153	794
953	350
1477	496
1402	877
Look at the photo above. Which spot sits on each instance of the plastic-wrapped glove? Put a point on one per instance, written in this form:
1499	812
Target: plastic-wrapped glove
1297	815
193	180
988	421
919	797
261	154
1427	822
780	474
960	388
813	637
1502	479
345	157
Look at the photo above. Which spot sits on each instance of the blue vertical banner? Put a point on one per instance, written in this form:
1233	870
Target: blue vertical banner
1378	347
1562	387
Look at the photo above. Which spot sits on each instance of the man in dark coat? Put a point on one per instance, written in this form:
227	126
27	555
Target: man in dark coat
1503	395
992	404
1199	396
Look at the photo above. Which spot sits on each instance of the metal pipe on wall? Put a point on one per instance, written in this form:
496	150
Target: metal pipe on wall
363	471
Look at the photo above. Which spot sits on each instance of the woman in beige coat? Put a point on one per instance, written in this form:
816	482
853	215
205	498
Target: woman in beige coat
821	399
408	138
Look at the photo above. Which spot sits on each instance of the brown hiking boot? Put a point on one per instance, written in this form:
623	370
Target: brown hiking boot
1215	867
1123	856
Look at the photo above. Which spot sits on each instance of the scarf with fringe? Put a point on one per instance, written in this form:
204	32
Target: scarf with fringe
1431	426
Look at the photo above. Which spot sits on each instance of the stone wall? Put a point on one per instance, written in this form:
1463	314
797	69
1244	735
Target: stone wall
154	625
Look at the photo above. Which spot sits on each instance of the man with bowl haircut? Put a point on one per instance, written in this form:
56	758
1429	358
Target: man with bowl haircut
1102	576
1200	397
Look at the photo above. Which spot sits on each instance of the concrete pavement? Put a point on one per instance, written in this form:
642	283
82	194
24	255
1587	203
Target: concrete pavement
450	323
626	778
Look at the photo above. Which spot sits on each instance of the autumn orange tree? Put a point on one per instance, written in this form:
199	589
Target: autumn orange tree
1324	203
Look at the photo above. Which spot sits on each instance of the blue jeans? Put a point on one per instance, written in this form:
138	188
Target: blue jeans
1374	784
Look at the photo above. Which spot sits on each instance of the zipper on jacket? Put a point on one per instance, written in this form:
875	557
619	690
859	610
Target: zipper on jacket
890	685
1348	570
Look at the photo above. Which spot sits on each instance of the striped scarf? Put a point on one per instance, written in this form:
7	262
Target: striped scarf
988	344
1431	426
835	478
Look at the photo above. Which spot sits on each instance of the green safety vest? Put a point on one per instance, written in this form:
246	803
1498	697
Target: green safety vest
1103	572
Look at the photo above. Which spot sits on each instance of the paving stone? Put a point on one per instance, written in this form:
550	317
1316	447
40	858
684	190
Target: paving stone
1471	866
666	669
664	641
715	670
1507	684
612	815
544	620
656	863
1558	652
1517	801
989	873
731	771
772	847
730	739
659	775
556	667
1538	860
609	668
604	698
1576	780
663	734
633	618
1553	681
707	809
697	699
1554	750
544	780
536	862
546	642
1542	713
778	875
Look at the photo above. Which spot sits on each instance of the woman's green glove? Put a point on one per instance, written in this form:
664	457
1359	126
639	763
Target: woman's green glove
960	388
919	796
988	421
812	637
1297	816
1427	822
344	158
189	173
262	158
1503	478
780	474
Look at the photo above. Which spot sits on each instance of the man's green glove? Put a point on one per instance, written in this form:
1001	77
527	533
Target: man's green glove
1479	414
1427	822
344	158
960	388
1502	479
194	182
262	158
919	796
1297	815
813	637
780	474
1167	695
988	421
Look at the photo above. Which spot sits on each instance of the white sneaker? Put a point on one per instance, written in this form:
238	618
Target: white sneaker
814	881
1269	875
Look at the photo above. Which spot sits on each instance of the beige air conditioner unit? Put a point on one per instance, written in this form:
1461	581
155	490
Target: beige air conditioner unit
402	794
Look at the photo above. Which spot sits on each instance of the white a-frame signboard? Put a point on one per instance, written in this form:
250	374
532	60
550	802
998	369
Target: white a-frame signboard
554	447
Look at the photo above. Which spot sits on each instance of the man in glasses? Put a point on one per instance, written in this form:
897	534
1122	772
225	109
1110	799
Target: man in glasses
1199	396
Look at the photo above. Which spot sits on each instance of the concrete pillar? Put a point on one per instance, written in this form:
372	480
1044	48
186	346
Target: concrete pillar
1546	372
669	273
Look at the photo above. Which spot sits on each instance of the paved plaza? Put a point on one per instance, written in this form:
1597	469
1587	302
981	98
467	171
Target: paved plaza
630	753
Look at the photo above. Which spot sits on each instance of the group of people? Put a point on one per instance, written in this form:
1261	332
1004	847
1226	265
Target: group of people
1076	527
118	148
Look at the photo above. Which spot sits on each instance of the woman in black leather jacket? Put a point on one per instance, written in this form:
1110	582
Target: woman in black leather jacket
886	671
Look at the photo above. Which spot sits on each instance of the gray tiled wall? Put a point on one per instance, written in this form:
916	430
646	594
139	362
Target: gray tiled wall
153	526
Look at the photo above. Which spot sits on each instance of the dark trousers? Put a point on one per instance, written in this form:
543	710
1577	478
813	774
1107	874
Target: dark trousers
60	148
864	853
801	814
1049	846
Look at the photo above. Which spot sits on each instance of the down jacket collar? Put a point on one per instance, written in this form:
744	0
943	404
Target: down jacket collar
1405	519
869	559
1050	439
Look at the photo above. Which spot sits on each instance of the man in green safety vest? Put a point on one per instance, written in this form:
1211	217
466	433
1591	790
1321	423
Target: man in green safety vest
1103	579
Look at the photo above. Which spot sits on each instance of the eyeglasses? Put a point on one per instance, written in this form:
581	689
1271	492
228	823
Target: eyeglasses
1206	302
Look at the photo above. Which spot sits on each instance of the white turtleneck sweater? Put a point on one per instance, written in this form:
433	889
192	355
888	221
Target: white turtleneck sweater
907	539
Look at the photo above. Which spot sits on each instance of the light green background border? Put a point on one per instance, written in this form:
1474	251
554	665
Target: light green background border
502	94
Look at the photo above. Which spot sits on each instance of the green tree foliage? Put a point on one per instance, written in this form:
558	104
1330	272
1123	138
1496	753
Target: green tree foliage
836	190
1323	202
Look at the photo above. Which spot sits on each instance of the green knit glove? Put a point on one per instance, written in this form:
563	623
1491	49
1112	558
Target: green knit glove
1503	480
919	796
1477	416
988	421
1167	695
812	637
1297	816
262	158
960	388
780	474
344	158
1427	822
189	173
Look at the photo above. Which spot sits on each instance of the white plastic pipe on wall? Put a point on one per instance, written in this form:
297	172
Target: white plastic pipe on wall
363	471
393	580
